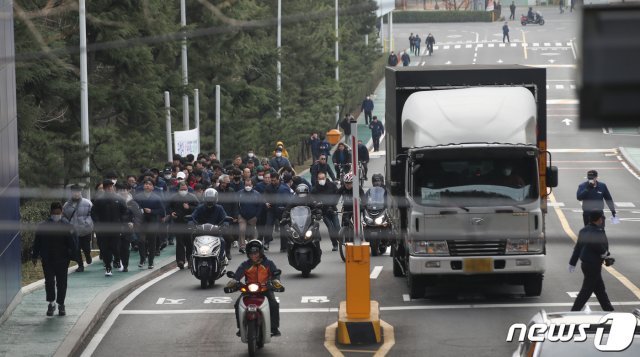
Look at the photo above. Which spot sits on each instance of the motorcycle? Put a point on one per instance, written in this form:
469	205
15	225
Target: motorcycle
539	20
303	243
253	312
206	264
376	225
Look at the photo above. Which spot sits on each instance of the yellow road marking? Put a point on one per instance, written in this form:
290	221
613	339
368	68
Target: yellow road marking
616	274
388	341
524	41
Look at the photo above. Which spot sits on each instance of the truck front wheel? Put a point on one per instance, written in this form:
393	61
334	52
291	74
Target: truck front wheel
533	285
416	286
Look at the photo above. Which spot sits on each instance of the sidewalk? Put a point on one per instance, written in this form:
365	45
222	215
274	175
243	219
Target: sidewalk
29	332
364	133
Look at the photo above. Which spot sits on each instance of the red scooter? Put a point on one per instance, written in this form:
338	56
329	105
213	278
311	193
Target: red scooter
253	312
538	20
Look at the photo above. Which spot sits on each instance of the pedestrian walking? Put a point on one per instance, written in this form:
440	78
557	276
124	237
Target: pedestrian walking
54	244
153	214
561	3
406	59
573	3
393	60
109	214
505	32
411	42
512	8
77	210
377	129
430	41
345	125
367	108
416	45
181	206
592	248
593	194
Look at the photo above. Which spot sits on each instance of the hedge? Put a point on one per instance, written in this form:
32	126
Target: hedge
400	17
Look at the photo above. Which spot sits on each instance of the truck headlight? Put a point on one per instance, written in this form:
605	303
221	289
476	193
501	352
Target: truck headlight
430	247
517	246
536	245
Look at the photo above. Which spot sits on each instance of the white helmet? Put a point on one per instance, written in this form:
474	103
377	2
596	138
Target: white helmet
210	196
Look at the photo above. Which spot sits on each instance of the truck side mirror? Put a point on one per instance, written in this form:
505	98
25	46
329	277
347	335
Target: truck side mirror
552	176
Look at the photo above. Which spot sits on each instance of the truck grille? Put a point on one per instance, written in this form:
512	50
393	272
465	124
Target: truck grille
474	247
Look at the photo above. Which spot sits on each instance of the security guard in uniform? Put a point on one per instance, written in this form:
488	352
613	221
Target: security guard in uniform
592	248
593	194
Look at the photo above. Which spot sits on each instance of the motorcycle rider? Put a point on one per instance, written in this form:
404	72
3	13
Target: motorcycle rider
211	212
258	269
377	180
346	195
301	198
326	193
530	15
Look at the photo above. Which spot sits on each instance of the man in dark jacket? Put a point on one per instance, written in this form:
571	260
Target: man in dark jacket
345	125
320	166
134	220
153	213
363	157
324	146
54	244
406	59
377	129
592	248
326	193
342	160
314	144
109	214
393	60
250	206
593	194
367	108
181	205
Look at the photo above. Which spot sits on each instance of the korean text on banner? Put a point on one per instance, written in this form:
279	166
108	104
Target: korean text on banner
187	142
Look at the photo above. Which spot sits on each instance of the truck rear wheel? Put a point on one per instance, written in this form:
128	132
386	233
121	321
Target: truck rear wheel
533	285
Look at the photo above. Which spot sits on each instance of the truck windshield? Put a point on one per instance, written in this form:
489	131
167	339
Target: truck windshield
466	182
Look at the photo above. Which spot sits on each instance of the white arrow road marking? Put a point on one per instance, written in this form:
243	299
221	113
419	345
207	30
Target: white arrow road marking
574	294
567	121
375	272
314	299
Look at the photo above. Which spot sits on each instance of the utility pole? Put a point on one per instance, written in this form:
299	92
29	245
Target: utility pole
185	75
279	74
167	106
84	96
218	122
337	64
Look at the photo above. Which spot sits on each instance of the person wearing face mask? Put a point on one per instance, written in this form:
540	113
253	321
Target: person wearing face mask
277	195
181	205
236	180
77	210
367	108
133	220
509	178
325	192
593	194
153	211
227	196
250	206
54	244
211	212
279	160
251	156
108	213
314	144
280	146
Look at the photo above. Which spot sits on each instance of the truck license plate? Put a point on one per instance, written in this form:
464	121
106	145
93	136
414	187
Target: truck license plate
478	265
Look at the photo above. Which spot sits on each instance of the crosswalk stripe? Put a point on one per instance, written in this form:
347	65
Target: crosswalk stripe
535	44
480	45
514	44
501	45
524	44
547	44
445	47
490	45
456	46
434	47
555	204
558	44
468	46
559	86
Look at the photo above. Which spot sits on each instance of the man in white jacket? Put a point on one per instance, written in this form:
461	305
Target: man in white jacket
77	210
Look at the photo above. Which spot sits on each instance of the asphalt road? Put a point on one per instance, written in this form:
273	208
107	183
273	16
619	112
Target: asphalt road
173	316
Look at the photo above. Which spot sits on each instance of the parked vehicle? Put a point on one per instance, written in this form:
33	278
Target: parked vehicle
253	312
468	200
376	226
303	233
538	20
208	263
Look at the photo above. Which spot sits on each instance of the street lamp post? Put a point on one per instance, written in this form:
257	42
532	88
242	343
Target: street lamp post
185	75
337	64
279	65
84	94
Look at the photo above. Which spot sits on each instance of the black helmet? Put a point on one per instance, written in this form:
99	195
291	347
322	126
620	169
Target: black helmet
377	180
254	246
302	190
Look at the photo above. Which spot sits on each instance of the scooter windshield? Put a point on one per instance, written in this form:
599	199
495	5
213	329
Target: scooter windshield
300	218
375	199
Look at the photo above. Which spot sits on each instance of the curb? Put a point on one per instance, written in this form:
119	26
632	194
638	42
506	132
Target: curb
627	157
100	307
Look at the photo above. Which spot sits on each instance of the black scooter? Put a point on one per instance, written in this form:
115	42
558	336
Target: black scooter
207	263
303	243
375	224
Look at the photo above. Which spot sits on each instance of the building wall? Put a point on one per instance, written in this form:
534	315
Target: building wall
9	201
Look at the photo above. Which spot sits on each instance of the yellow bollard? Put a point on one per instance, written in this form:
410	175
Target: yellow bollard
358	316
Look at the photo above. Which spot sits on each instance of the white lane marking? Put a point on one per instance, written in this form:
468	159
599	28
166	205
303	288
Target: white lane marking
502	44
563	101
513	44
445	47
434	47
536	44
218	300
490	45
383	308
468	46
558	44
625	204
405	297
480	45
574	294
167	301
547	44
524	44
456	46
375	272
582	150
423	62
572	86
559	86
555	204
626	166
111	319
547	86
